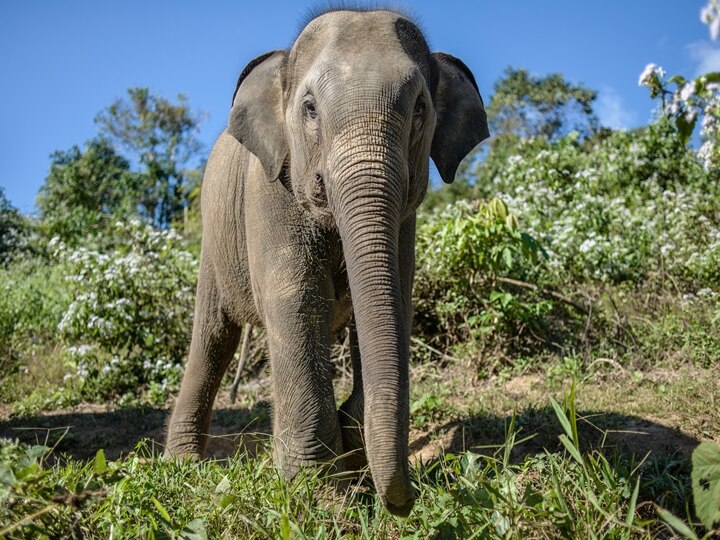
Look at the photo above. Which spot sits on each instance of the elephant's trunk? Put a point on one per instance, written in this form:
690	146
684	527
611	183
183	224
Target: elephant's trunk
367	205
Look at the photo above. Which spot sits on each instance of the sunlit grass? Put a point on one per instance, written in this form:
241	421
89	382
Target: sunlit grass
567	493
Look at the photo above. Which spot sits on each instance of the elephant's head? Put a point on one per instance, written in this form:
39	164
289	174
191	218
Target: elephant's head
353	111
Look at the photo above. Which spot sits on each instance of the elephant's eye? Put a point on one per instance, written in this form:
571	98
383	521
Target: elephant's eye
310	110
419	112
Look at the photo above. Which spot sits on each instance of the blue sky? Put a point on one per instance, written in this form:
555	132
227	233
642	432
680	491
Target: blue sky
62	62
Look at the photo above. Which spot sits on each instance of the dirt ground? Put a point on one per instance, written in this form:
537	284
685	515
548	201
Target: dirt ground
475	416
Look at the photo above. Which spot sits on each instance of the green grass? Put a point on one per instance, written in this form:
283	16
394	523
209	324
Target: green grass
494	456
568	493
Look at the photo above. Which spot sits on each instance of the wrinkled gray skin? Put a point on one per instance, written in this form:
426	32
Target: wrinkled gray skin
309	198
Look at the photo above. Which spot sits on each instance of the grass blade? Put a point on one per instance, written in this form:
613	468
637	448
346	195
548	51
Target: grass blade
676	523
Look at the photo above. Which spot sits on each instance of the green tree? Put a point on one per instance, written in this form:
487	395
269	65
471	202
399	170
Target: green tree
12	227
86	188
548	106
161	135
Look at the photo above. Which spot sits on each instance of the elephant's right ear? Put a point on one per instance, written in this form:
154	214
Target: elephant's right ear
256	118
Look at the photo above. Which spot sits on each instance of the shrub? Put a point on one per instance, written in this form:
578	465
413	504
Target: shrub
127	329
632	205
33	297
462	252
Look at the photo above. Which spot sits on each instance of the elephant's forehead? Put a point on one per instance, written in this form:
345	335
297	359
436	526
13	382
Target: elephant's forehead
356	42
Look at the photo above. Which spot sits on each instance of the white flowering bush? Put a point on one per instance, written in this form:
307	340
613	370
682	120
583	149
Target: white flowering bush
632	205
126	330
685	101
710	15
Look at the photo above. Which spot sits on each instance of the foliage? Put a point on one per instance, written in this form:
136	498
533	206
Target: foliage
162	136
13	227
86	190
690	101
32	300
706	493
127	329
581	206
564	494
706	484
532	106
462	251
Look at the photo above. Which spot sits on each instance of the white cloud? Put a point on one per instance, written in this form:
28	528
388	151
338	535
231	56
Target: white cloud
706	55
611	111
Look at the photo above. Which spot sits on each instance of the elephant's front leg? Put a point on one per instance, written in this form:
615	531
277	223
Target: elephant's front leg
296	308
214	341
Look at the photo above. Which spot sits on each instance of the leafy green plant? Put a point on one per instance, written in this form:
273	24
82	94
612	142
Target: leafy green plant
706	493
426	408
464	252
33	297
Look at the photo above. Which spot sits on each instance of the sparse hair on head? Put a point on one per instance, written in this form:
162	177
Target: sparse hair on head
329	6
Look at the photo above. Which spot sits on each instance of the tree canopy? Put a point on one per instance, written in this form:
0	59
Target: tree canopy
528	106
84	187
161	136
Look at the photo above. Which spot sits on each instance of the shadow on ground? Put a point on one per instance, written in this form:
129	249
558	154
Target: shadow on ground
614	433
80	433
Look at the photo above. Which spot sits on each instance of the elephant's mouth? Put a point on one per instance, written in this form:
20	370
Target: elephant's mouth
402	510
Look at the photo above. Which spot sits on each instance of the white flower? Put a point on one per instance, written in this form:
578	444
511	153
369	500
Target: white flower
650	71
715	28
687	91
587	245
710	15
673	106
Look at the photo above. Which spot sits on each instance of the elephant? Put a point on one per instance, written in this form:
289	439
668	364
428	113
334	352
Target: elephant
308	206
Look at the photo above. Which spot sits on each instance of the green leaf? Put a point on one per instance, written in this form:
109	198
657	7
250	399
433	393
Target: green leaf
676	523
633	503
507	258
678	79
574	452
161	509
713	77
685	128
706	483
284	527
227	500
195	530
223	486
100	464
561	416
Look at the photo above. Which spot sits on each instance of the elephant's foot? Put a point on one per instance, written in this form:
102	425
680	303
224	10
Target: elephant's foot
351	426
185	441
296	451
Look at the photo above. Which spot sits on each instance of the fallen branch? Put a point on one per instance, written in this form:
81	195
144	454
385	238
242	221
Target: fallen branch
433	349
545	292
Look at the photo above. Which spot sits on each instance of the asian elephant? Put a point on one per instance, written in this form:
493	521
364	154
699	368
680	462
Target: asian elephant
308	209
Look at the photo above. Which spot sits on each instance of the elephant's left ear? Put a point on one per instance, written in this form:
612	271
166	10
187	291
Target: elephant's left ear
256	119
461	119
